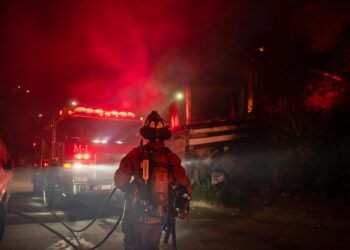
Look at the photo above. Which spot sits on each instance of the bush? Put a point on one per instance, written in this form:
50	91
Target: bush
294	137
227	193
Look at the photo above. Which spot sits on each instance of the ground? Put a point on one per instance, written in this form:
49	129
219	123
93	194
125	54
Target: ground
208	228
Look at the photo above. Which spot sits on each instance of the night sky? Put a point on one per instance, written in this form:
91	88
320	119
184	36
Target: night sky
127	54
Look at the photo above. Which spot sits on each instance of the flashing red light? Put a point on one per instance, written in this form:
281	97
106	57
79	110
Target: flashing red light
82	156
80	109
78	156
101	112
46	164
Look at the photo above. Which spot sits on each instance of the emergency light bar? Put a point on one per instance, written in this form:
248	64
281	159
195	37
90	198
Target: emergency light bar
99	113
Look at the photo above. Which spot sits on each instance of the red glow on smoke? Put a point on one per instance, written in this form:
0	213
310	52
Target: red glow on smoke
115	53
325	94
127	39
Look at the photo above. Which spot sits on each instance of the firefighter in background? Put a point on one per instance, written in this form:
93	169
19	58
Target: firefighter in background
147	175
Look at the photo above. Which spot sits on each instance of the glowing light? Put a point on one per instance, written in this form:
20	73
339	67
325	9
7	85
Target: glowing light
262	49
74	103
250	104
101	112
78	156
40	115
119	142
19	86
174	116
67	165
130	114
179	96
86	156
28	91
78	166
98	141
188	105
80	109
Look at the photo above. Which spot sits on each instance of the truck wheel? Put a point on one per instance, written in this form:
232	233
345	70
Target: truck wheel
67	202
51	199
2	219
37	189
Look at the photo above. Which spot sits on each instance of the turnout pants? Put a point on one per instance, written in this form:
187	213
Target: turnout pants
141	232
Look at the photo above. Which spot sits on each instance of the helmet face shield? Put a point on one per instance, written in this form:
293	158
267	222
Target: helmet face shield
155	128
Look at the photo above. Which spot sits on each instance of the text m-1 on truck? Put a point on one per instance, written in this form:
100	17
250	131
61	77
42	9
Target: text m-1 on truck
79	152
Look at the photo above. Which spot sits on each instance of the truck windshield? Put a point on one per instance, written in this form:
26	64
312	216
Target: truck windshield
104	131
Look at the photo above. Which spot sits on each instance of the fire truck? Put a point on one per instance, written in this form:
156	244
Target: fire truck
79	151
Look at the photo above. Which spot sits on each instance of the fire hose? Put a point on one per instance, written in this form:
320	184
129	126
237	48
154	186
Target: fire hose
53	213
74	231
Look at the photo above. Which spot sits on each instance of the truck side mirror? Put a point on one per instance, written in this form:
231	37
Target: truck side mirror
9	165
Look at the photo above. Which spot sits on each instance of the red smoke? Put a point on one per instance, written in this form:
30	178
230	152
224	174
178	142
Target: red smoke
131	39
128	54
325	94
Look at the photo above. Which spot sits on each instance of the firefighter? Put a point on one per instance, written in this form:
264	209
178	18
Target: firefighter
147	175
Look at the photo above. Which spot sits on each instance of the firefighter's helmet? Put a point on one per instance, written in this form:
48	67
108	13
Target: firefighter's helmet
155	128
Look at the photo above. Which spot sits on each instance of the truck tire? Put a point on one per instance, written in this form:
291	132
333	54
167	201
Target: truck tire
50	196
50	192
37	188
